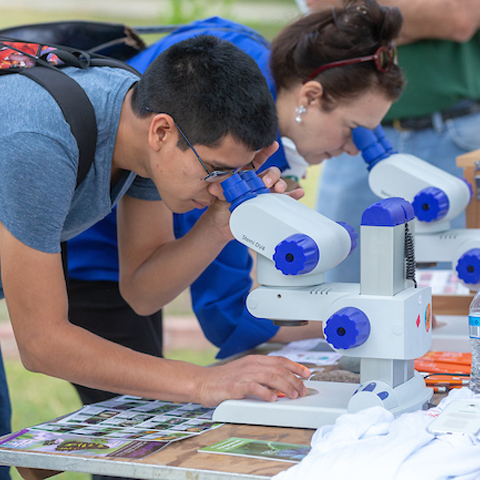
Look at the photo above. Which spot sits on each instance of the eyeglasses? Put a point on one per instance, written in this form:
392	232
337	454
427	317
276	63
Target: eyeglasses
384	57
216	175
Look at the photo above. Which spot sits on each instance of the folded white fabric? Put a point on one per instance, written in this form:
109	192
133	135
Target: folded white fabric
372	444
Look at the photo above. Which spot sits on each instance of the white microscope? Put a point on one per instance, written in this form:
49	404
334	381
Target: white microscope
385	320
437	197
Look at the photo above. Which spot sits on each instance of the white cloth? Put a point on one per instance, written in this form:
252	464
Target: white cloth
372	444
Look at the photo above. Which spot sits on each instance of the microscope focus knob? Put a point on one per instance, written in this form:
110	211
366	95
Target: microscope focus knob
353	235
297	254
468	266
347	328
430	204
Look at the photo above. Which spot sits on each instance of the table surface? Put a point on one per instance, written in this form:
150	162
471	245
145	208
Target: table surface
179	460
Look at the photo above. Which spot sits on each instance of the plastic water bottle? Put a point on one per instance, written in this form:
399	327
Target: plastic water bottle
474	332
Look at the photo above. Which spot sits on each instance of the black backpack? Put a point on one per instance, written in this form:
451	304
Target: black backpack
46	47
40	51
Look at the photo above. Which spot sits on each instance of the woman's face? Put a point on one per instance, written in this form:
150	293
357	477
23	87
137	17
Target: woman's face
325	134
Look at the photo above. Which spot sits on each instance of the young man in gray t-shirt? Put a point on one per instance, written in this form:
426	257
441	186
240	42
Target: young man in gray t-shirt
204	90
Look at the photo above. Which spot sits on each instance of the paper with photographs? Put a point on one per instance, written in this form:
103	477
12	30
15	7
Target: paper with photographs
126	426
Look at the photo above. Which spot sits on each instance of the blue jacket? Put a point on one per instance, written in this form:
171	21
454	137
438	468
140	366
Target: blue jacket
218	295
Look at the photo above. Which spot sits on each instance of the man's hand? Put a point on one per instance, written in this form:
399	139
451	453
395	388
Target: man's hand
272	179
219	213
262	155
252	375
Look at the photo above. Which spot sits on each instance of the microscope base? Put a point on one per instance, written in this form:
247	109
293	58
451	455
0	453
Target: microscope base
326	402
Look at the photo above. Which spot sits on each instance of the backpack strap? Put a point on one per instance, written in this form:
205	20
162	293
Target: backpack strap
77	109
69	95
102	61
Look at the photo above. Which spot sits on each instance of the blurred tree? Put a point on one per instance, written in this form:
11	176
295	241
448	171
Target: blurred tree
185	11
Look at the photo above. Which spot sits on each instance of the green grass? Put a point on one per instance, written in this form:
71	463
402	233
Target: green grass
38	398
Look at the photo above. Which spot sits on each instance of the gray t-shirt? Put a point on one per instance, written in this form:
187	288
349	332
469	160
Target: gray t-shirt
39	158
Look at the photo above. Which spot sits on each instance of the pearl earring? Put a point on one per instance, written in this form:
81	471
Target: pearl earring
300	111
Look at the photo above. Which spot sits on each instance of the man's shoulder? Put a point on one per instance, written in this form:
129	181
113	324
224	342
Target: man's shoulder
27	107
22	95
103	78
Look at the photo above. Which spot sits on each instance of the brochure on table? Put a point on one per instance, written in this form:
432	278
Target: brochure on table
125	426
248	447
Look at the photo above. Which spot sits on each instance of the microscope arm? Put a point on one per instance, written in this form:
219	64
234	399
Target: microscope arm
437	197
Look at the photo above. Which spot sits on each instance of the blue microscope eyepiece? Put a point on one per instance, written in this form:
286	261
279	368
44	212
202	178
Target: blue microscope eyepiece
236	191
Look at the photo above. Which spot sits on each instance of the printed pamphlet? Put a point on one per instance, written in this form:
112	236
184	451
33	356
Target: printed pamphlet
247	447
124	426
29	439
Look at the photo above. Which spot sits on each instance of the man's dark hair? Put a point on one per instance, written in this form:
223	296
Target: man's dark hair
211	89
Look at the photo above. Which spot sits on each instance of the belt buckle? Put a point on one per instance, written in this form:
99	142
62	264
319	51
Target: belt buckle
397	125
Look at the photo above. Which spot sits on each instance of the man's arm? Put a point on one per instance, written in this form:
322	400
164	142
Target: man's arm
36	297
456	20
154	266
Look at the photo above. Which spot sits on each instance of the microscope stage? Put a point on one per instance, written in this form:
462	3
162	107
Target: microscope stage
324	403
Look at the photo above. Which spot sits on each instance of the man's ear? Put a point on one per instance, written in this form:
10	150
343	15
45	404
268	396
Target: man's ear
160	131
311	93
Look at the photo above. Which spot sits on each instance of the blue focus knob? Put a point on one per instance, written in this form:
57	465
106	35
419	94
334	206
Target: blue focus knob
236	191
353	235
430	204
468	266
347	328
296	255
